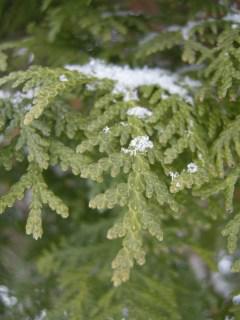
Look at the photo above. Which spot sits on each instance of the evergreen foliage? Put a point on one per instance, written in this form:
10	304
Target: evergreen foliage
124	116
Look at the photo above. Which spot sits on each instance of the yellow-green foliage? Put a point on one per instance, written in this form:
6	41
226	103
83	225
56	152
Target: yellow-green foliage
144	180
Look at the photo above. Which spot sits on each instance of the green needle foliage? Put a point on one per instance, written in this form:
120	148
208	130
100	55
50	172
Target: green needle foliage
125	116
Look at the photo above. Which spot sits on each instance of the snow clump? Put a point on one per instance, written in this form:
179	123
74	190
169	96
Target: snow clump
139	112
139	144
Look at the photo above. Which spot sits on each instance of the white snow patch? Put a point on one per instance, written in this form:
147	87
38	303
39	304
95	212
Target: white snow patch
192	167
139	112
18	96
128	79
106	129
187	29
63	78
5	296
173	175
223	287
191	82
128	93
236	299
225	264
232	17
189	100
139	144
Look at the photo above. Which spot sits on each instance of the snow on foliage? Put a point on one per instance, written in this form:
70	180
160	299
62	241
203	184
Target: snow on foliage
236	299
192	167
139	144
139	112
232	17
173	175
186	29
191	82
18	96
6	298
225	264
128	79
63	78
106	129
